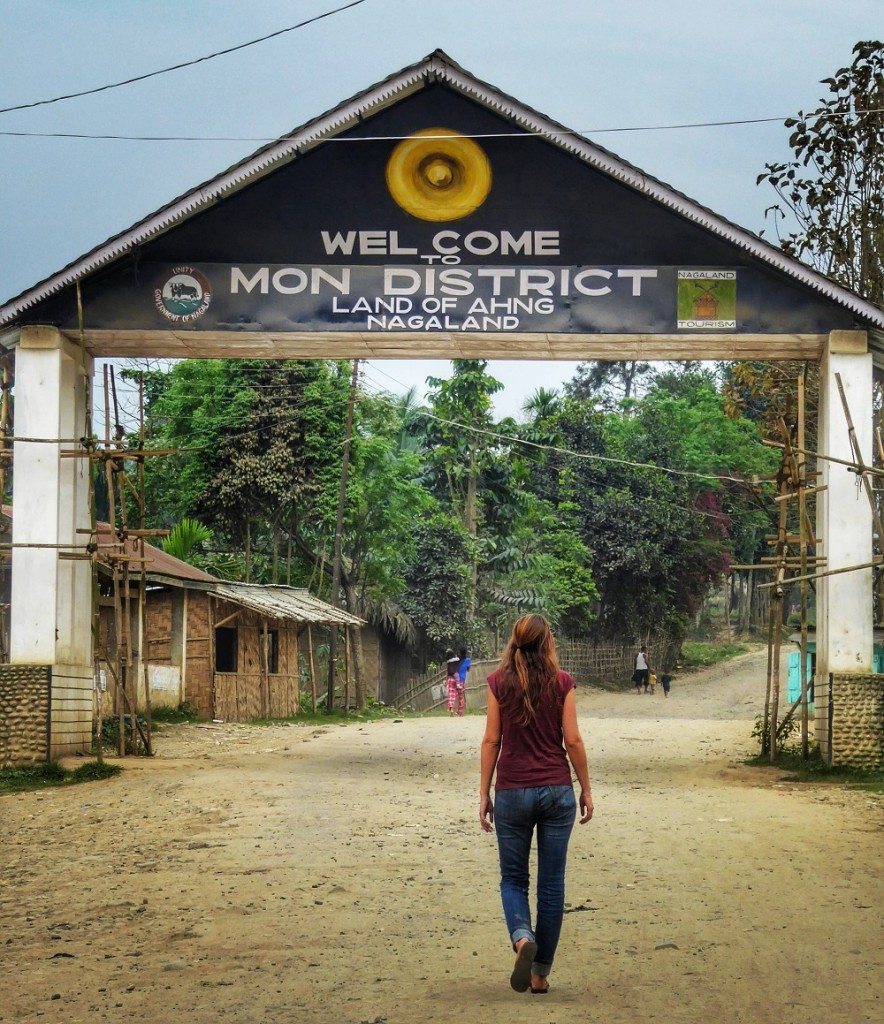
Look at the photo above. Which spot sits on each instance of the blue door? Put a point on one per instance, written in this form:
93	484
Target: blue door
794	687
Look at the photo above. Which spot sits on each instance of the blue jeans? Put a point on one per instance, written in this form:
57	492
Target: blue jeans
551	809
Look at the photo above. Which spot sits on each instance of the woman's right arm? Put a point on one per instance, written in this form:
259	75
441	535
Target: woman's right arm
577	754
488	760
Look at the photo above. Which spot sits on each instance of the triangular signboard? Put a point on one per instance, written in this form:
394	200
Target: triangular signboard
431	204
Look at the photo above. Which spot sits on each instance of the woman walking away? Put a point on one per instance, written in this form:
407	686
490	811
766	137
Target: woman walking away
531	713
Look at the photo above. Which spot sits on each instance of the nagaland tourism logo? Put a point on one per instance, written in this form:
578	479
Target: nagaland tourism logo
182	295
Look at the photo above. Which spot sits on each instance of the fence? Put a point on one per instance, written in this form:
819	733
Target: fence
591	664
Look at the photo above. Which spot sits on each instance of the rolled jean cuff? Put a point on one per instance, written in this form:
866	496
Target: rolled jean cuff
542	970
522	933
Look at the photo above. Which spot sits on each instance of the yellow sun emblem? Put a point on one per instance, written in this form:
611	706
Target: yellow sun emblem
437	174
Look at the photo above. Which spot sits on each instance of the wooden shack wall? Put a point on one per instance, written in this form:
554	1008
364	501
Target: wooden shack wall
162	669
198	689
249	692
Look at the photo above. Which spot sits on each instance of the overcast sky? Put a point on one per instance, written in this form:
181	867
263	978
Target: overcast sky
589	64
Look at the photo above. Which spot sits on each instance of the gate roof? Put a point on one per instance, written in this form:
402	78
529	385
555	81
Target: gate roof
205	219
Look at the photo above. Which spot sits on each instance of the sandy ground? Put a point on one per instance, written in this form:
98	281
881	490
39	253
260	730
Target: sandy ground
338	875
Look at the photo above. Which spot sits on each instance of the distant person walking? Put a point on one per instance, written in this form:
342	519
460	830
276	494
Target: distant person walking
642	670
665	682
452	681
463	669
531	724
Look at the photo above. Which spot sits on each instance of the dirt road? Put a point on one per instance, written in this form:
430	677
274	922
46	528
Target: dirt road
338	876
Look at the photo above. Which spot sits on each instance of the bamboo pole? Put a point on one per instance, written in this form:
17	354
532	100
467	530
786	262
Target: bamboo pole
777	612
117	668
875	562
346	670
265	672
765	732
863	469
213	654
827	458
339	532
296	703
95	618
142	581
312	666
129	676
228	618
803	491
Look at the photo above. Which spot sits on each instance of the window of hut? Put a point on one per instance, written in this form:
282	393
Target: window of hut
226	649
272	651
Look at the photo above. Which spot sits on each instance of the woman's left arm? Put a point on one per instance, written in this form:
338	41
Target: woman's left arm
488	760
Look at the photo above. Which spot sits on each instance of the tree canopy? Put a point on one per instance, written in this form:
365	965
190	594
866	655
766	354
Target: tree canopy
611	518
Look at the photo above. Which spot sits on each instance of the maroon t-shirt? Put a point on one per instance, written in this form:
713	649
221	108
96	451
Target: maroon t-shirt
533	754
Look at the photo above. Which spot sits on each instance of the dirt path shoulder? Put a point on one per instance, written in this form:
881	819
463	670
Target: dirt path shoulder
338	876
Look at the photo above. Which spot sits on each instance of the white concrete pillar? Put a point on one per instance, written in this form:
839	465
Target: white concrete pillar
50	617
844	609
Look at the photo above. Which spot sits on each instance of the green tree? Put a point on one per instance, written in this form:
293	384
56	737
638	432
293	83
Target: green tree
608	382
437	585
832	193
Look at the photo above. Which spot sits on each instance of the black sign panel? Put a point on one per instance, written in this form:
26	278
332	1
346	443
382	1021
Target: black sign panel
450	230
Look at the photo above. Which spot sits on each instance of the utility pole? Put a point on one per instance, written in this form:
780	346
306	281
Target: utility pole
339	531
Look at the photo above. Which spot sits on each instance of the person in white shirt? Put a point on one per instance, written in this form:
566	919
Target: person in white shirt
642	670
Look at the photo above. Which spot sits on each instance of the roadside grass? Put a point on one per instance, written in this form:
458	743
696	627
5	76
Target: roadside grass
43	776
702	653
373	712
816	770
183	713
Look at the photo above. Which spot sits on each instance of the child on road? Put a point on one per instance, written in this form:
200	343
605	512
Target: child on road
455	688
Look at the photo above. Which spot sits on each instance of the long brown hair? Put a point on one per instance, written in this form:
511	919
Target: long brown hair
529	667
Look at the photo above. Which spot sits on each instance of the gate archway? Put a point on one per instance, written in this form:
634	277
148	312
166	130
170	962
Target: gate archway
431	216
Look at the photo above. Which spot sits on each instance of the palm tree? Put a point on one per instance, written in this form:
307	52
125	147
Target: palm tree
185	538
409	409
542	404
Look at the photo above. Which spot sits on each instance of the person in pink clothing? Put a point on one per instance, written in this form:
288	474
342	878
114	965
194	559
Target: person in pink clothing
454	684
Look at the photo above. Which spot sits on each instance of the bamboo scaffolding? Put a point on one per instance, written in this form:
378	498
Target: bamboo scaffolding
140	533
346	633
863	470
776	615
827	458
803	491
312	666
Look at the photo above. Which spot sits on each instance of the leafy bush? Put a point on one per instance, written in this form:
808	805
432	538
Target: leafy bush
39	776
698	654
183	713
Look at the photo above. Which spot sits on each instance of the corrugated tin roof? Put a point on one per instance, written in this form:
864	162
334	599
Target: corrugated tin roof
279	602
156	560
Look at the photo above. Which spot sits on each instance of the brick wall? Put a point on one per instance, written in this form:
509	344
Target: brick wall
858	720
24	714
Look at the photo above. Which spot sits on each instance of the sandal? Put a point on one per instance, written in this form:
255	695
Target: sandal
539	991
520	979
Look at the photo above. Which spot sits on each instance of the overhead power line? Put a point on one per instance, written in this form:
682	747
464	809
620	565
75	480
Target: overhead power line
183	64
546	134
